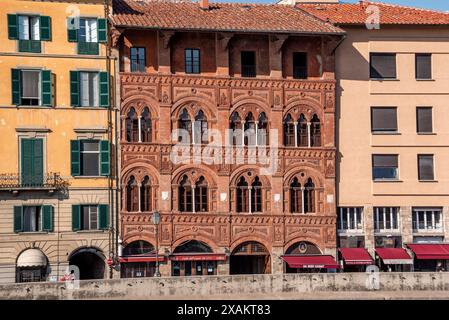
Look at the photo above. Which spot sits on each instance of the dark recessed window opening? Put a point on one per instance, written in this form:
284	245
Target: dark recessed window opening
192	60
248	59
137	59
382	65
423	66
300	65
384	119
385	166
424	120
90	158
425	167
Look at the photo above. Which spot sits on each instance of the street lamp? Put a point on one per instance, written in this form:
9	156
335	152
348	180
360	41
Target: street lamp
156	219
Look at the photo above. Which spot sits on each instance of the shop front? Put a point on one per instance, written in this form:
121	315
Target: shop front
430	257
250	258
31	266
139	260
355	259
393	260
305	257
195	258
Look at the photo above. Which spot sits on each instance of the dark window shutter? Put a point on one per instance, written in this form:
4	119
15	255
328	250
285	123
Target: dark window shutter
46	88
104	89
104	158
385	160
45	28
16	86
103	216
47	218
75	161
74	88
423	66
384	119
13	27
383	65
72	33
424	120
102	27
425	167
32	162
76	217
38	161
18	219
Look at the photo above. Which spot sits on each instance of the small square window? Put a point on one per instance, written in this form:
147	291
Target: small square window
382	65
423	66
384	119
385	167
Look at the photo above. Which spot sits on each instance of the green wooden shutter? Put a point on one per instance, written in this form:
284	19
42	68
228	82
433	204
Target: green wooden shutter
76	217
46	88
38	162
27	163
13	27
45	28
16	86
74	88
75	159
47	218
103	216
72	33
102	27
104	89
104	158
18	218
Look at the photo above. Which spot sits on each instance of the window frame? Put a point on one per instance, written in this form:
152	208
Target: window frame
95	98
39	86
416	66
353	213
190	64
248	74
305	68
39	219
30	30
383	130
372	70
431	120
425	210
419	157
385	179
82	141
378	222
141	65
90	206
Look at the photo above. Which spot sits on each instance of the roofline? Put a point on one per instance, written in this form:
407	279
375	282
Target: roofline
231	30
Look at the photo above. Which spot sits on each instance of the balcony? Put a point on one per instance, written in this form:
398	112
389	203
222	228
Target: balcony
15	182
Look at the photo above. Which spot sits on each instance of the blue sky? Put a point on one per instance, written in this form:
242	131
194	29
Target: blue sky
442	5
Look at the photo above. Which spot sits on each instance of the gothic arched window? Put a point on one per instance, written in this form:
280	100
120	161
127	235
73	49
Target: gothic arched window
146	195
315	131
242	201
132	126
132	195
295	196
146	126
201	195
309	196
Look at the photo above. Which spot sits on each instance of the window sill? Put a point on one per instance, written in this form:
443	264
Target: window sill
383	79
425	80
90	231
387	180
386	133
32	107
89	177
33	232
426	134
428	181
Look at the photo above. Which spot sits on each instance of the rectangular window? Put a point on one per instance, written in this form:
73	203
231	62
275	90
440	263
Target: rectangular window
89	89
192	61
32	167
424	120
386	219
137	59
248	61
350	219
32	221
427	219
30	87
384	119
29	28
88	30
89	220
382	65
423	66
90	158
385	167
299	65
425	167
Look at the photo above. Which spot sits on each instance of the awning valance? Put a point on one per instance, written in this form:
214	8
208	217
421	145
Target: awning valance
430	251
310	261
141	258
198	257
32	258
394	256
356	256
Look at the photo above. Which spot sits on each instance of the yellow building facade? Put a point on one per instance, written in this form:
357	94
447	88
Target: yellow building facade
57	178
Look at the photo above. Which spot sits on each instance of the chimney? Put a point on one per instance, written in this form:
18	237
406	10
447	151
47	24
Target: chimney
204	4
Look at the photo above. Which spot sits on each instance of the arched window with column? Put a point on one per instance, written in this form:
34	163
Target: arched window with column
132	195
185	125
309	196
200	128
132	126
256	195
185	195
302	132
146	126
262	130
289	131
236	126
296	196
201	195
315	131
250	130
242	201
146	196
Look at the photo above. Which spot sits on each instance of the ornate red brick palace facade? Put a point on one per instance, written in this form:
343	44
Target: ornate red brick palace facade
218	218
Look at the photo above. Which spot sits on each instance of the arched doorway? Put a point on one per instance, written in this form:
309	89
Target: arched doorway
31	266
194	258
306	257
90	262
138	260
250	258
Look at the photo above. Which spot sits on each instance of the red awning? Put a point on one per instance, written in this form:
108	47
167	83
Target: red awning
430	251
198	257
141	258
310	261
394	256
356	256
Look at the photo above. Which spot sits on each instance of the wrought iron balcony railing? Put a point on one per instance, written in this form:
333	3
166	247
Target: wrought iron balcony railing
16	181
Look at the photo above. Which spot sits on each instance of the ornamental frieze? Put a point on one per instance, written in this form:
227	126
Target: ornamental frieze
315	220
239	231
182	229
